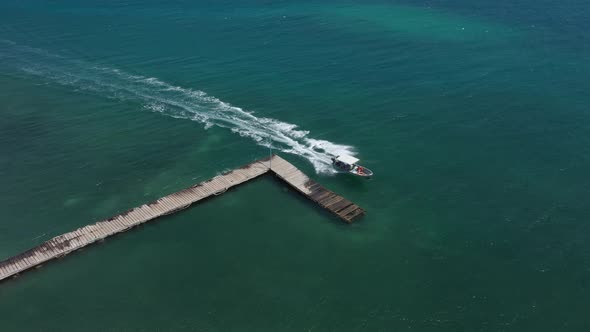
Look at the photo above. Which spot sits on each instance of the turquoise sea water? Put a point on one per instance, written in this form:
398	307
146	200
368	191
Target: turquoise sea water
473	115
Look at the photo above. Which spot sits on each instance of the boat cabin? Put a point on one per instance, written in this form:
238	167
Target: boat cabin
349	164
345	162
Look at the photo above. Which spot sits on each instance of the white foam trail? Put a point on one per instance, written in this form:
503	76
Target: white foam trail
175	101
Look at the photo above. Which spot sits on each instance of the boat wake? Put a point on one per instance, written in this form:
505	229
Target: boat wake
171	100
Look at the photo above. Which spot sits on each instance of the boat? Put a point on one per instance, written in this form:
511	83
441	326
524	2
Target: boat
349	164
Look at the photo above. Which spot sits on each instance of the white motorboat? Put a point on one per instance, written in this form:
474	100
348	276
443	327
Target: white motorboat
349	164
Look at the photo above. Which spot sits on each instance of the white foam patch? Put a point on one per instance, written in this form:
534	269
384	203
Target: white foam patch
178	102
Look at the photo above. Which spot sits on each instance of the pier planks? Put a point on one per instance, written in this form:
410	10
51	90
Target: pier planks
334	203
63	244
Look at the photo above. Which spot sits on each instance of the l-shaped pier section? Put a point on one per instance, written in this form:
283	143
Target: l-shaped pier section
62	245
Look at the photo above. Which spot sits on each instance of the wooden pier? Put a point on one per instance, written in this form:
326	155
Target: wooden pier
64	244
336	204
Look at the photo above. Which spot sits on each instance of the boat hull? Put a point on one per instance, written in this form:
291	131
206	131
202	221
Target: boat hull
366	176
356	170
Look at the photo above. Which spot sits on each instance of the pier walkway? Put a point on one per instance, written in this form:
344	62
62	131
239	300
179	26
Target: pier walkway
64	244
